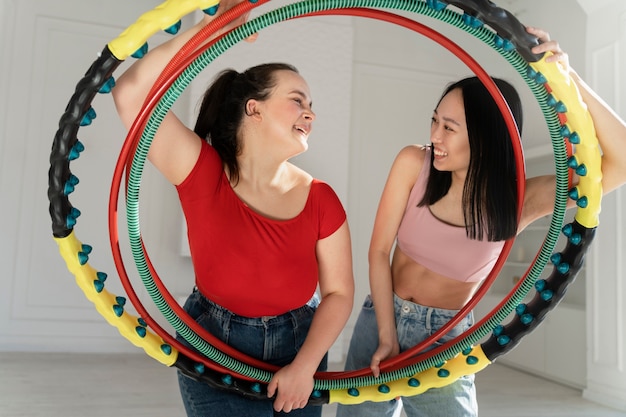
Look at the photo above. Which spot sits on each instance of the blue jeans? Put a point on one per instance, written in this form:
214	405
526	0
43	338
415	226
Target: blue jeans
414	323
274	339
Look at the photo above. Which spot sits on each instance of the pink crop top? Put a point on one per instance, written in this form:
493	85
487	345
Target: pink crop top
443	248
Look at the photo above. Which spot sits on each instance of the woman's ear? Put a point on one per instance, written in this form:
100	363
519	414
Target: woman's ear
252	108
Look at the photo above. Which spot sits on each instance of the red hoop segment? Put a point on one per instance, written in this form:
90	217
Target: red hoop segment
169	75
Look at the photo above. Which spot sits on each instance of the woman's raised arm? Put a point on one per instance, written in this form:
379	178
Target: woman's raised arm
610	127
610	130
175	147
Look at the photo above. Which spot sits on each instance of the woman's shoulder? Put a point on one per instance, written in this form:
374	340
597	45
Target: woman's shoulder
310	185
328	206
413	153
321	192
321	187
411	159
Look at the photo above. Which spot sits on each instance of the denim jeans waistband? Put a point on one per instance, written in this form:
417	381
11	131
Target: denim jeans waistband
218	310
410	306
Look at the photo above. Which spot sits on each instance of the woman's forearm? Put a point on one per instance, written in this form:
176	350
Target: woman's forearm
329	320
611	131
381	286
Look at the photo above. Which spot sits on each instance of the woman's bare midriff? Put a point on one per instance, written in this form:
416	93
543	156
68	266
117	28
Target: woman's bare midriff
413	282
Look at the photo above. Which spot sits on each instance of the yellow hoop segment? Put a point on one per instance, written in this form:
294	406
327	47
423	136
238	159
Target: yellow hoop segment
160	18
110	306
465	363
586	152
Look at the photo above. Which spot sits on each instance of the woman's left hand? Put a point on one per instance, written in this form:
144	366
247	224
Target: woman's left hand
548	45
292	388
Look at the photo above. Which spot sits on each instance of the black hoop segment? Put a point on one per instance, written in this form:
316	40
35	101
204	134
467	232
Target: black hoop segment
66	147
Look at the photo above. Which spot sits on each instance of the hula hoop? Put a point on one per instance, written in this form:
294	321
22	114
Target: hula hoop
352	374
446	363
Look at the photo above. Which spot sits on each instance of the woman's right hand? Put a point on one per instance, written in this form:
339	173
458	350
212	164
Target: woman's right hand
386	350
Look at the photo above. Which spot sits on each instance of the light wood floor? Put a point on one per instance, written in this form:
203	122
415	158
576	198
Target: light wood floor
81	385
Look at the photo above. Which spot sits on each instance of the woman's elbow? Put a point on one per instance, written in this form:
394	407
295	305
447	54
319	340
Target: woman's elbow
377	255
126	102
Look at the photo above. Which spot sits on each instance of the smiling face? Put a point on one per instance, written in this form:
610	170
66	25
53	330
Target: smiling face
448	134
287	114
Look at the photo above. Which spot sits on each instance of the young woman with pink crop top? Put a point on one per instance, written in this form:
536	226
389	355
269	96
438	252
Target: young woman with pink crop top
263	233
449	207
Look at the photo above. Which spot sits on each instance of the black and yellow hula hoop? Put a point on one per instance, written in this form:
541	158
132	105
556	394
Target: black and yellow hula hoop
568	121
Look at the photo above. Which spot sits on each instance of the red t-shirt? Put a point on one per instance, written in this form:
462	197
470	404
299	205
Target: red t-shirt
247	263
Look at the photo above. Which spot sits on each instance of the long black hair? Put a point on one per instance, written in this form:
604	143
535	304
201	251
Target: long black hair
224	105
490	190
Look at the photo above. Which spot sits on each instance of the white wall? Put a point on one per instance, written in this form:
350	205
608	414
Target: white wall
47	46
606	292
360	72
